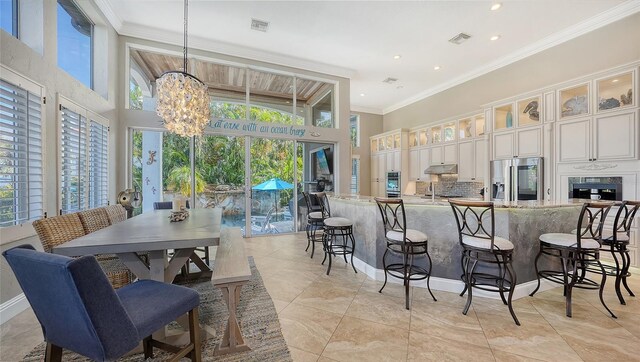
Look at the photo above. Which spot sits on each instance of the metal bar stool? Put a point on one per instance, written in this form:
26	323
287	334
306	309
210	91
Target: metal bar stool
476	231
577	252
316	214
409	243
338	228
617	243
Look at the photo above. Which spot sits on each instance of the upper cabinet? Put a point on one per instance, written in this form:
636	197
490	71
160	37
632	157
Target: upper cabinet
573	101
615	92
503	117
523	112
471	127
528	110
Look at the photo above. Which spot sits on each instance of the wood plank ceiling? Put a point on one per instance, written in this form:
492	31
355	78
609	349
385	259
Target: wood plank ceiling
229	82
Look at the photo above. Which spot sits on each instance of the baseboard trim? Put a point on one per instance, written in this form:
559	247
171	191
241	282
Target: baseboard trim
453	285
13	307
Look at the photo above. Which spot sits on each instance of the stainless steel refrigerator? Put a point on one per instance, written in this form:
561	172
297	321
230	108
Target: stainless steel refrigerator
518	179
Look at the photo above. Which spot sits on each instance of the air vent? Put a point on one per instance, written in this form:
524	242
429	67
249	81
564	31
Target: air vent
460	38
259	25
390	80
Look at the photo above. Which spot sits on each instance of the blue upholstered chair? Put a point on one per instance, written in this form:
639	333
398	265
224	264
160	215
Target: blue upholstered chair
80	311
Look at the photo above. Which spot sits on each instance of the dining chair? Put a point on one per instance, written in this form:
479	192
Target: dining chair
577	254
116	213
79	311
57	230
165	205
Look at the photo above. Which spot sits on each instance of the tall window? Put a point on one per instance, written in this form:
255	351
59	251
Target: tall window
355	175
84	179
9	16
21	176
354	130
75	42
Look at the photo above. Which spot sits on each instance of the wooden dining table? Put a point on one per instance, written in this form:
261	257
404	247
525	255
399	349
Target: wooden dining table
152	233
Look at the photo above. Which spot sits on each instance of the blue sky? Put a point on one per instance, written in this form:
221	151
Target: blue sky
74	48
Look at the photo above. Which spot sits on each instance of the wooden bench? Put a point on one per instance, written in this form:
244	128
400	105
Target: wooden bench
231	271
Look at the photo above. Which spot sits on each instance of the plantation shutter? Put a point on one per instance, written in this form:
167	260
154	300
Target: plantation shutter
98	164
21	174
73	148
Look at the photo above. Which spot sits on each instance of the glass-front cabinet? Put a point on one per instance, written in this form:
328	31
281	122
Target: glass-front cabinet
435	134
424	137
529	111
503	117
465	128
413	139
574	101
480	125
615	92
449	132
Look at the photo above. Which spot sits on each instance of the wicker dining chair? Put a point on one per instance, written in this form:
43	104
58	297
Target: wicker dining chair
94	219
56	230
115	213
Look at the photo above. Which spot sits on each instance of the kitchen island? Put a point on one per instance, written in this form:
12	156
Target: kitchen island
521	222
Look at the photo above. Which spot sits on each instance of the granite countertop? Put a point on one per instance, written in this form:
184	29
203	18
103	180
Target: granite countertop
418	200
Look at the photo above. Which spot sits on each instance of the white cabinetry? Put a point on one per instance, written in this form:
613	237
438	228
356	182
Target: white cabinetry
472	160
419	160
600	138
389	153
444	155
526	142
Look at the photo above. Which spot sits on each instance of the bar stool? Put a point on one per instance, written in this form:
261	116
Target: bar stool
315	219
409	243
338	228
617	243
476	232
577	252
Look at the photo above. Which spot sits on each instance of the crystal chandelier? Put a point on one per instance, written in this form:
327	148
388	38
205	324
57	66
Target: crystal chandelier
183	99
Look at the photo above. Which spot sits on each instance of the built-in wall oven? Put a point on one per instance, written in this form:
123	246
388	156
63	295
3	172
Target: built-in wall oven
393	184
609	189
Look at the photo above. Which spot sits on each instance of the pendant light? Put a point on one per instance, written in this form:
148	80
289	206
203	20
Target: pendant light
183	99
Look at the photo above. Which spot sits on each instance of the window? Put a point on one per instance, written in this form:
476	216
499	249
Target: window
84	179
9	16
355	175
75	42
21	175
354	130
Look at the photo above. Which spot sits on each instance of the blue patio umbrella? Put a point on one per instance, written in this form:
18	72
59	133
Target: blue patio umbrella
274	184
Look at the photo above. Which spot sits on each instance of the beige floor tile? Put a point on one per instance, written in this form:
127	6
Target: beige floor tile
590	332
19	336
359	340
510	357
447	323
491	305
285	289
395	290
630	322
535	338
299	355
376	307
325	359
280	304
307	328
421	295
326	296
424	347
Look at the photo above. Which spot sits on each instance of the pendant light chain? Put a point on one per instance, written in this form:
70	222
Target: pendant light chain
186	28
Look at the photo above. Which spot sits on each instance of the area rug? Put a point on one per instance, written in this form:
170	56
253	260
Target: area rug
258	320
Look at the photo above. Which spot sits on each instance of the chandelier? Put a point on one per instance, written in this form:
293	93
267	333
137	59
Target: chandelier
183	99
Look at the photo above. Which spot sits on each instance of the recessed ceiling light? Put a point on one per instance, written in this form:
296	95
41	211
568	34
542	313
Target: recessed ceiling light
496	6
397	56
437	67
614	81
495	37
361	94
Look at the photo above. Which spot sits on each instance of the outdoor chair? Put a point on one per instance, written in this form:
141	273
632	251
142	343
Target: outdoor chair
262	224
79	311
57	230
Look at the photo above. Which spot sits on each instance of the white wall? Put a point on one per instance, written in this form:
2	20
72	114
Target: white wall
41	67
370	124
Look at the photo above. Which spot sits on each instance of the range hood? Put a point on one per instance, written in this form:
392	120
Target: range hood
441	170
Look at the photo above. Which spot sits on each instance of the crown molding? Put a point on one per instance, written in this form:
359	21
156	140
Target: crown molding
612	15
363	109
113	18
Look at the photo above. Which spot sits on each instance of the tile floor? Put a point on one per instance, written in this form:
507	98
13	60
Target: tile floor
342	317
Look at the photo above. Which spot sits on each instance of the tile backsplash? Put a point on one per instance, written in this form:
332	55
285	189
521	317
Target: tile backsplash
449	185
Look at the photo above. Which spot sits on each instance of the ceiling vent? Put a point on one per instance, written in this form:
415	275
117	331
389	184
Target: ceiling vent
390	80
259	25
460	38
